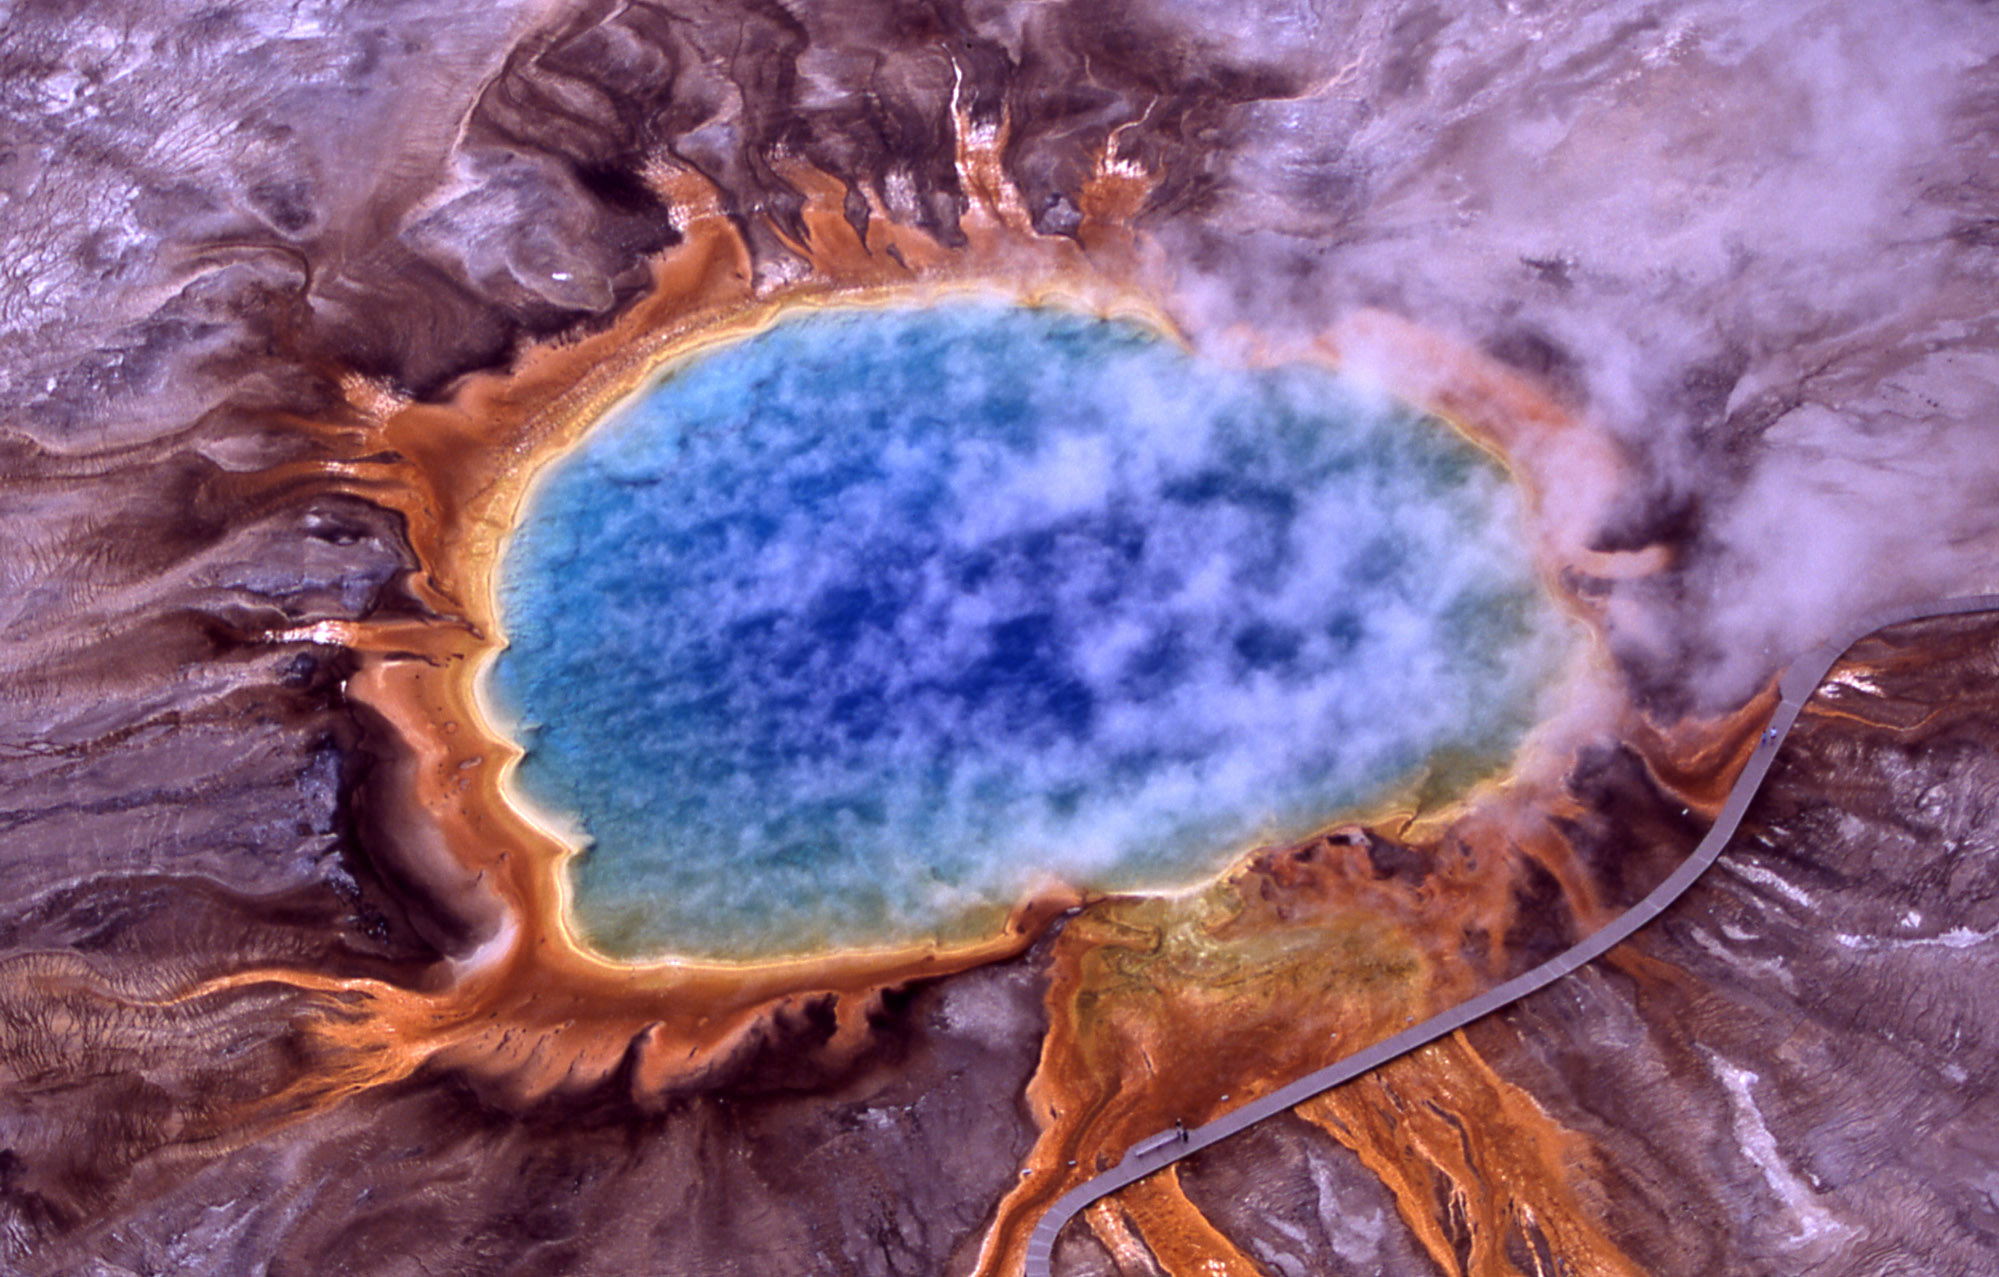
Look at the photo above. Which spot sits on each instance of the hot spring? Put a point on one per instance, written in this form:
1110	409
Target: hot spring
851	632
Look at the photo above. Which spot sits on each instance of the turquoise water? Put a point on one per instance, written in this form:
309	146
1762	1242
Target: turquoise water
848	633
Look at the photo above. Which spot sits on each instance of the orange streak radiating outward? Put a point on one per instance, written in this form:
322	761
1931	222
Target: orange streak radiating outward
1472	1161
1178	1235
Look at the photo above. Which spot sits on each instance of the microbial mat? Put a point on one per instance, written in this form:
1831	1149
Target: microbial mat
852	632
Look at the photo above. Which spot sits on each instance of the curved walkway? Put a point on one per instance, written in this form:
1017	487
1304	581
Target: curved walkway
1159	1151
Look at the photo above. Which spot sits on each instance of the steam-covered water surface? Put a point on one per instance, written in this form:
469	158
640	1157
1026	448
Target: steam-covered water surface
848	633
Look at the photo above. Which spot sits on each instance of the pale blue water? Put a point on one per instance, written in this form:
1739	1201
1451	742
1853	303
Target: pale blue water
847	633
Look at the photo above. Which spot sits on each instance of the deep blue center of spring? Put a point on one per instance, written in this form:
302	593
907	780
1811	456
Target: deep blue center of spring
847	633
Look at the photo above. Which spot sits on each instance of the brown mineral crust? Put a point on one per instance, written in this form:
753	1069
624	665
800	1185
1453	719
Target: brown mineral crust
885	1166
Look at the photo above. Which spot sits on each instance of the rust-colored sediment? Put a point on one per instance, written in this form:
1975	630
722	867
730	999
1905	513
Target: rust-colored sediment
1488	1184
1160	1007
1180	1238
1472	1161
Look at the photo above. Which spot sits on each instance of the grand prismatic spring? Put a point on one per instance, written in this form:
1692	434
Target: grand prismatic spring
780	639
849	634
